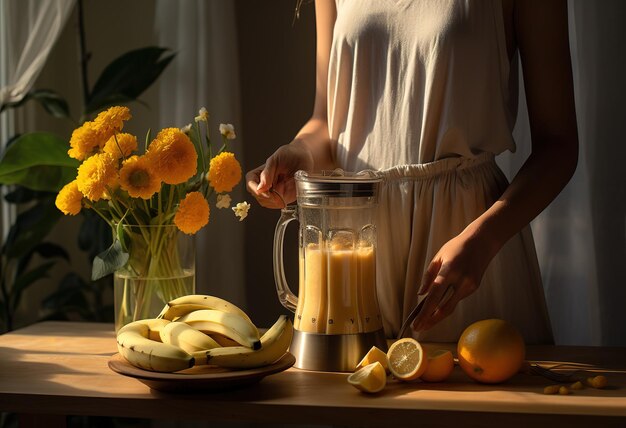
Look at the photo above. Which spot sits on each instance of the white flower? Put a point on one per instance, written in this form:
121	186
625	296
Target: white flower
223	201
228	131
203	114
241	210
186	129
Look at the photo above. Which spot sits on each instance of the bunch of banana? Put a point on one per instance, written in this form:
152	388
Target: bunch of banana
222	335
274	344
134	344
193	302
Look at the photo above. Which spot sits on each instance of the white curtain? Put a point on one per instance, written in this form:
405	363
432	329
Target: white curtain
28	31
204	74
581	236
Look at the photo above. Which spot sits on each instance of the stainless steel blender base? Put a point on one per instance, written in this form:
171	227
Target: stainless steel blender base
333	352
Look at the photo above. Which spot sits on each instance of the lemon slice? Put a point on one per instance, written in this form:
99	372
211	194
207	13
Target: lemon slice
373	355
440	365
406	359
371	378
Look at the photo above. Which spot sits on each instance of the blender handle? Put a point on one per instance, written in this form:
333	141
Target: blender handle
285	295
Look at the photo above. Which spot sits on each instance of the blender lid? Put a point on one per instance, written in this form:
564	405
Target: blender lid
339	183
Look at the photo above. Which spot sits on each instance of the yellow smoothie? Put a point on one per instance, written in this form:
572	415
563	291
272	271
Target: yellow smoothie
337	290
312	299
343	313
369	314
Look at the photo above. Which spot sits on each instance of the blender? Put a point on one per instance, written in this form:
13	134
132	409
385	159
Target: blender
336	314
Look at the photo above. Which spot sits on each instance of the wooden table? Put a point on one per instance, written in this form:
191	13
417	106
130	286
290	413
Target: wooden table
60	368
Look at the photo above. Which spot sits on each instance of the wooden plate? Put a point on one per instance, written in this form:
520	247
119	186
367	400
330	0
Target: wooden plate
199	378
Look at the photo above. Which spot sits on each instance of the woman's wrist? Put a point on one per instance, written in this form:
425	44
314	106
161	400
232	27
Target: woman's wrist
485	236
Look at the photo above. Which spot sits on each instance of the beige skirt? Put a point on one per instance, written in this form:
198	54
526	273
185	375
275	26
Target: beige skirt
421	208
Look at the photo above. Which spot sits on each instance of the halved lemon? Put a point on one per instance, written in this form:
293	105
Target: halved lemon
373	355
406	359
371	378
440	365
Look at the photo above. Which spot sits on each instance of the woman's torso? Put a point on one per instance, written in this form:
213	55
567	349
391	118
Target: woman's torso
415	81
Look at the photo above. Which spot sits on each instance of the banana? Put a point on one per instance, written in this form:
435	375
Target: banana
223	340
227	324
186	337
155	326
134	344
193	302
275	343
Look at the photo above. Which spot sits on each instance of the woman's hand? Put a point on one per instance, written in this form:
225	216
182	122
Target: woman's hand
454	273
276	175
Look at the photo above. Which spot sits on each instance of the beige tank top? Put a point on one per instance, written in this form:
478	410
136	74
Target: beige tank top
415	81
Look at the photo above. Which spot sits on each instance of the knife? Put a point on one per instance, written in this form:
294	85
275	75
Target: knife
416	310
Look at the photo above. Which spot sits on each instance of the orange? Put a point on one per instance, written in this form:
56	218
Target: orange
406	359
440	365
371	378
491	351
373	355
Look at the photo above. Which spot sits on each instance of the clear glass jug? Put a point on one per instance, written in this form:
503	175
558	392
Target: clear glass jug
336	310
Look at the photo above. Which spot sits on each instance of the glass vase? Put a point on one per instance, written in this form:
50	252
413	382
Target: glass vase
160	268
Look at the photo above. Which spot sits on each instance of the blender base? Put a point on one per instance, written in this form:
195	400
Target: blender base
333	352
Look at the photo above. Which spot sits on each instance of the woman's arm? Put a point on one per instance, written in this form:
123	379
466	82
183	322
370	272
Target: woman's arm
542	38
310	149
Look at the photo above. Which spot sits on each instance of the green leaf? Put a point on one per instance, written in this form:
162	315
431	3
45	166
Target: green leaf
108	261
30	228
49	250
128	76
196	139
24	281
22	195
38	161
52	102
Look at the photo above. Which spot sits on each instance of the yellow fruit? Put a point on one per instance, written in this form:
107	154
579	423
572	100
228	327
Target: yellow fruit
491	351
406	359
552	389
563	390
577	385
371	378
373	355
598	382
440	365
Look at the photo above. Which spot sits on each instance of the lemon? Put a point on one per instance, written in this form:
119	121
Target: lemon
371	378
440	365
406	359
373	355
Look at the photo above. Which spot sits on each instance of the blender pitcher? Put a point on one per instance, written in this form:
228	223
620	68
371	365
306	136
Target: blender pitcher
337	319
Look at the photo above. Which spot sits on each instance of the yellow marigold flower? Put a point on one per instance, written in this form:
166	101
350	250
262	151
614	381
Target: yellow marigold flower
138	179
192	214
111	121
85	141
95	174
125	145
69	200
224	172
173	156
